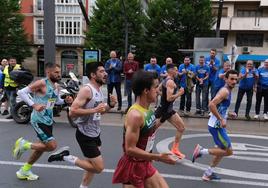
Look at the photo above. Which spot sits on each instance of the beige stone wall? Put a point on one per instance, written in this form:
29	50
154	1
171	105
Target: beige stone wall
31	62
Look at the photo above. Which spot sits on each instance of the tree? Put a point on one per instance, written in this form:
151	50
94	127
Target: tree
13	40
106	30
173	24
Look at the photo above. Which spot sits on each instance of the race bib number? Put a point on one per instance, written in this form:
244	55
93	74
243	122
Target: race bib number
150	143
50	103
97	117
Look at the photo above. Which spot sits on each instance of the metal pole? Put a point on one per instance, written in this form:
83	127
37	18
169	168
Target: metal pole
219	18
82	7
49	31
126	28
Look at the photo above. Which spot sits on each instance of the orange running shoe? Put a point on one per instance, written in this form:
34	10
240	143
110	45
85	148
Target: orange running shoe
178	153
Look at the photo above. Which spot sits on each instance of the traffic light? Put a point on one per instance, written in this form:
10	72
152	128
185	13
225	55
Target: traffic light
132	48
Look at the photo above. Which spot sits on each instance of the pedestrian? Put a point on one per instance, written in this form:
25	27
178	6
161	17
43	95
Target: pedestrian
45	95
114	68
130	67
202	75
186	73
219	81
153	67
248	80
135	168
217	127
262	91
163	73
214	65
4	100
10	85
166	112
88	108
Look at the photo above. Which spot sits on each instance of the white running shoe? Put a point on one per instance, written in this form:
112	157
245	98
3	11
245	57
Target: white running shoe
257	116
26	175
265	116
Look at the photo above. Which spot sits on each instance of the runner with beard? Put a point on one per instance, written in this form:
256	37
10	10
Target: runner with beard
45	95
87	108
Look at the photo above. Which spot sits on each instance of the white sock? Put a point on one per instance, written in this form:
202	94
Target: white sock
209	171
83	186
204	151
70	158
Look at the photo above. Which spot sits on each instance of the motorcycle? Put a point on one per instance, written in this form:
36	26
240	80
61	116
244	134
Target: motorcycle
22	111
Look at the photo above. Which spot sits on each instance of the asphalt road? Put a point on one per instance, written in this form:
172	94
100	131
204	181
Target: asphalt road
248	167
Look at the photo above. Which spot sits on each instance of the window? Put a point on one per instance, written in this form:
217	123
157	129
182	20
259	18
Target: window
68	25
40	29
248	39
40	6
215	11
224	34
249	13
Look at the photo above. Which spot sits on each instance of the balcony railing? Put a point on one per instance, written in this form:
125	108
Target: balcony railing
63	40
244	23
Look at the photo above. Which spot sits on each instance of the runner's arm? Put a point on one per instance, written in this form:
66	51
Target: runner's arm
134	121
170	90
24	92
221	95
83	96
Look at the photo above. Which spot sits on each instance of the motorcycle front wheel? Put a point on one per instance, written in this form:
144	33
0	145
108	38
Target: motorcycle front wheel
22	113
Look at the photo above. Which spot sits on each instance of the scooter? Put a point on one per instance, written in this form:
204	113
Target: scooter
22	111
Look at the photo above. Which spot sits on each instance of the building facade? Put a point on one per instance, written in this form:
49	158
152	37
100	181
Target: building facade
244	23
70	28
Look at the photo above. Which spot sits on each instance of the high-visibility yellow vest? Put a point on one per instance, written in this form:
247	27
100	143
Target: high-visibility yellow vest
8	81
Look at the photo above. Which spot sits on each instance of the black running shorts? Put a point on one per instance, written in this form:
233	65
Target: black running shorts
163	115
89	145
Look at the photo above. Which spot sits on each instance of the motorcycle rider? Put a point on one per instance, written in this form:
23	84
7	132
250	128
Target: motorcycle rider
45	95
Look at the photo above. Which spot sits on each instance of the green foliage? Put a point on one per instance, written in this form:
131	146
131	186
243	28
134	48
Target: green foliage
166	27
13	40
107	28
172	25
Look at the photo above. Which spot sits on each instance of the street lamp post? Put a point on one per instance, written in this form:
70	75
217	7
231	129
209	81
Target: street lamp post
219	18
49	31
126	28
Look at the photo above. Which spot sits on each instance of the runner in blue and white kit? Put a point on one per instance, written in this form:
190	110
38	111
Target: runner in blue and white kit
216	126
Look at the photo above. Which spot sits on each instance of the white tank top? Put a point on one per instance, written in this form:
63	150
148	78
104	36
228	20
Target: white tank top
90	125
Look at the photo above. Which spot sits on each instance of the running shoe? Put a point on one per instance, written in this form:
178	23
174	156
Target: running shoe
26	175
59	154
210	177
176	152
18	148
196	153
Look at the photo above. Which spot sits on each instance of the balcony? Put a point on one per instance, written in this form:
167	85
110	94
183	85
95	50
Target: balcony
38	11
225	24
249	24
61	40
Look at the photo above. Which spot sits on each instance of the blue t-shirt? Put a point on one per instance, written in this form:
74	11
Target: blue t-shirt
151	68
217	64
263	80
190	67
219	82
248	82
164	69
202	71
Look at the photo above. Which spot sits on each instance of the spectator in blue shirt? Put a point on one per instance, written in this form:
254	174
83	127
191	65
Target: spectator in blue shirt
163	73
202	74
219	81
214	64
248	76
114	68
262	91
153	67
186	73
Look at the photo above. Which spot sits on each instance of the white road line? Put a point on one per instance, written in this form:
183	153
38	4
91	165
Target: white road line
162	147
172	176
